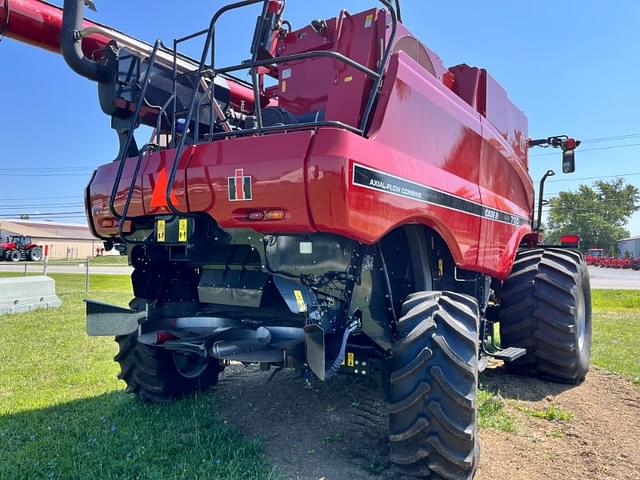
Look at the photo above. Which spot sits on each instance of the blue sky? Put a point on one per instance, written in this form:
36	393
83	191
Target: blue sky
573	69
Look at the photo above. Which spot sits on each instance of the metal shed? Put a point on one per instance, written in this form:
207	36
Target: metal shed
629	246
65	241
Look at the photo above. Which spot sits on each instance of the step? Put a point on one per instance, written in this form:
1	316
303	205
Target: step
509	354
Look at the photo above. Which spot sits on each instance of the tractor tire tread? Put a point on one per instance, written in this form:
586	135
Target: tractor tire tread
149	372
544	320
433	387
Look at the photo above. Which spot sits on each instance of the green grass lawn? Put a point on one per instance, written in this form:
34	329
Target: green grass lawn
64	414
616	332
120	260
108	260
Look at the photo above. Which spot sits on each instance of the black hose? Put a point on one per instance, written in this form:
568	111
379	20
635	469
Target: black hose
335	366
71	44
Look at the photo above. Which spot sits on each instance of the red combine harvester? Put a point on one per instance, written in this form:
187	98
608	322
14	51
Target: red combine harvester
18	248
370	212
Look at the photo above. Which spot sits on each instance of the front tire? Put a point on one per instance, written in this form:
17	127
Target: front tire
546	308
432	387
159	376
14	256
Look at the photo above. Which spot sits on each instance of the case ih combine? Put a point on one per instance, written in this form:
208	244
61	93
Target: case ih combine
356	207
18	248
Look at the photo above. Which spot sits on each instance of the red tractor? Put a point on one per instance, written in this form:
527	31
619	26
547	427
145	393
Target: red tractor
594	256
355	208
18	247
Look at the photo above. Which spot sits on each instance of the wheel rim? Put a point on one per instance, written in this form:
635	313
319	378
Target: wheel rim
581	319
189	366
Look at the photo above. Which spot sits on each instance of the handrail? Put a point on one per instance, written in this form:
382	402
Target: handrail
160	114
203	59
383	65
121	157
399	13
125	210
302	56
288	128
253	65
257	106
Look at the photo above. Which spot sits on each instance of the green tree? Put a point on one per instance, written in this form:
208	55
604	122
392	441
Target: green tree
597	213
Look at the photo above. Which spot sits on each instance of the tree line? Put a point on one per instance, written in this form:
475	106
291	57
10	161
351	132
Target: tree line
598	213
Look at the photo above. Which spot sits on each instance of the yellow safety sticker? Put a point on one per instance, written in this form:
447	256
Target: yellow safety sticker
160	230
183	223
283	86
348	79
440	267
351	359
368	21
300	300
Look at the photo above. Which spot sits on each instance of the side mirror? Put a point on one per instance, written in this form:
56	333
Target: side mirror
568	146
568	161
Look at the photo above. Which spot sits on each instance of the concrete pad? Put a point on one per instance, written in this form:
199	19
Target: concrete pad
24	294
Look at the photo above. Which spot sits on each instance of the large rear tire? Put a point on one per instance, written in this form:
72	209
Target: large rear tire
432	387
546	308
35	254
158	375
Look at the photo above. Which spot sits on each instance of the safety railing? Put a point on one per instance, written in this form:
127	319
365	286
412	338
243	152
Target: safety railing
253	65
202	82
123	152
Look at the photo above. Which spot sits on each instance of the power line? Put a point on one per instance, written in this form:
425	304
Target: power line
38	167
47	214
594	178
595	199
44	174
42	206
582	150
612	138
15	199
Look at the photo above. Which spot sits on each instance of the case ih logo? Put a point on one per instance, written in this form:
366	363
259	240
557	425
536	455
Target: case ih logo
239	186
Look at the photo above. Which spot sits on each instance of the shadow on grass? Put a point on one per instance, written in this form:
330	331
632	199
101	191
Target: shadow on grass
519	387
116	436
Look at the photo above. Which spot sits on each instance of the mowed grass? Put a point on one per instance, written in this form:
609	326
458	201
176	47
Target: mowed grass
106	260
615	347
64	414
616	332
120	260
616	301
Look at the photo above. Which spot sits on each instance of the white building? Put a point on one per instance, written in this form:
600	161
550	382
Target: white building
65	241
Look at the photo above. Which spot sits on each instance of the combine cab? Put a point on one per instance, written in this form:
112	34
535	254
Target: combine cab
356	208
18	248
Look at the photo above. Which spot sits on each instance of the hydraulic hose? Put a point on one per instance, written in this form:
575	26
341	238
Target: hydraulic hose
335	366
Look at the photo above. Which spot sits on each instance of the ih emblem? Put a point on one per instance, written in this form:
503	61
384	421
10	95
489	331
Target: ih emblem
239	186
